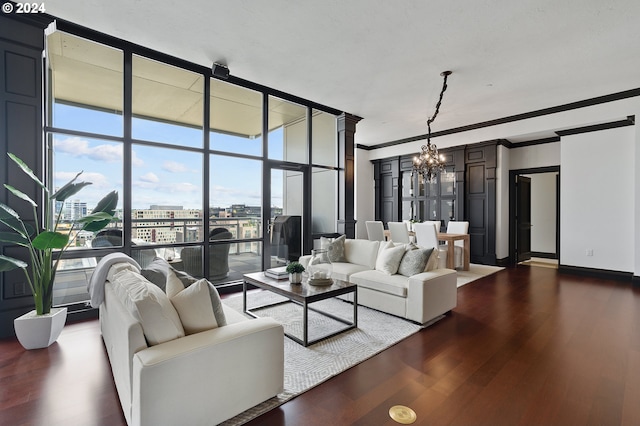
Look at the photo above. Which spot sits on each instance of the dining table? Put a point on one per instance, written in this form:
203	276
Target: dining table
450	240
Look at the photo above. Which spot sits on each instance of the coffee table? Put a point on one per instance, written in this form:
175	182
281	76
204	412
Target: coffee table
302	294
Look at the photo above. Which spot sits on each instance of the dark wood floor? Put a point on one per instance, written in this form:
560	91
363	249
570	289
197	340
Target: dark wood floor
525	346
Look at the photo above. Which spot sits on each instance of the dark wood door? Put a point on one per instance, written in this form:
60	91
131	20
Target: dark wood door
523	218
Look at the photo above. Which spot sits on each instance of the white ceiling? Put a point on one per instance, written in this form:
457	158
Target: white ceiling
381	59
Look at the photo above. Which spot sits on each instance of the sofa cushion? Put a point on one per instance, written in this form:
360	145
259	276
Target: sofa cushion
148	304
361	252
414	261
376	280
192	304
334	247
389	259
342	271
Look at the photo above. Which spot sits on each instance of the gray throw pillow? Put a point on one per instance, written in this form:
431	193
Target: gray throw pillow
334	247
216	303
158	271
414	261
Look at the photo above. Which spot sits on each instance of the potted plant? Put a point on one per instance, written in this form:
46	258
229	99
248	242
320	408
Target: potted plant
295	271
45	245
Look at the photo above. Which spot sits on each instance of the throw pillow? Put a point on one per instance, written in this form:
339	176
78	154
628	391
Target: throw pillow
414	261
434	261
150	306
334	247
192	304
175	286
389	259
158	272
216	304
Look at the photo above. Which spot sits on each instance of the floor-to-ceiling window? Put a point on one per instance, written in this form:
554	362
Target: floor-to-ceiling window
199	184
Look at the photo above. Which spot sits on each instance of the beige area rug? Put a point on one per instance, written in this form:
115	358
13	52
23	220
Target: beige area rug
307	367
476	272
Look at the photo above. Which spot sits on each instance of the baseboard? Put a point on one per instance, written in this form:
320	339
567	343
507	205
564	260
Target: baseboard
504	262
544	255
597	273
635	281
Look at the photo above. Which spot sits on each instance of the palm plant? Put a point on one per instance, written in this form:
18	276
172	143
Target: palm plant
46	244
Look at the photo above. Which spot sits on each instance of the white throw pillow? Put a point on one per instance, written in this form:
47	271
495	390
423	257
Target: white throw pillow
149	305
194	306
389	259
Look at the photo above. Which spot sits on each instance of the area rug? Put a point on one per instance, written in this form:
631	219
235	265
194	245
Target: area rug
476	272
307	367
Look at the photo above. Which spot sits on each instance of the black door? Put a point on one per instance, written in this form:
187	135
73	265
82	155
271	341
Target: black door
523	218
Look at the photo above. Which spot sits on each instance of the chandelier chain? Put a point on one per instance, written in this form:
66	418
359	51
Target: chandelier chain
435	114
429	163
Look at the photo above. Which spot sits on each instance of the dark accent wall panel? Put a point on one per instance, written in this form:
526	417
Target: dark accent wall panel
20	71
476	179
21	45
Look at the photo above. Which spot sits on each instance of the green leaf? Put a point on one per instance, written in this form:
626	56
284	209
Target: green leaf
20	195
26	169
108	203
69	189
14	238
103	213
9	217
50	240
9	264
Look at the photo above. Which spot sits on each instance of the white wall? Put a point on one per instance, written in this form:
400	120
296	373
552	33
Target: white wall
502	203
364	192
543	212
597	205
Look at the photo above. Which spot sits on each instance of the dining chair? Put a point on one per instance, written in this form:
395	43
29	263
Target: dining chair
435	223
375	230
426	236
399	232
458	227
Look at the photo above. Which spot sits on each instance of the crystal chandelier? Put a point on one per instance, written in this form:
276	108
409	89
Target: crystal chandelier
428	163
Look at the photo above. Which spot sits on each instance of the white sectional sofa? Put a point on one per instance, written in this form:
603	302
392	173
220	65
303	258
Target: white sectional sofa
202	378
419	297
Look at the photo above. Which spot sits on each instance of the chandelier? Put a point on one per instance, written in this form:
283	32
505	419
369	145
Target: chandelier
428	163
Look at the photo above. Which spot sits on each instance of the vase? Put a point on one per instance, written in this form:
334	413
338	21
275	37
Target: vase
320	268
295	278
39	331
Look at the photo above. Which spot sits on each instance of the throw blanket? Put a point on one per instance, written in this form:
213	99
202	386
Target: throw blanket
95	287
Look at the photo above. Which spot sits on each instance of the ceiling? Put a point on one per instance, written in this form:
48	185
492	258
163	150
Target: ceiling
381	59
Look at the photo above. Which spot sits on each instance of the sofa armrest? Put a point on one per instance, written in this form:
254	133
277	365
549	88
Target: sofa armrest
431	294
208	377
304	260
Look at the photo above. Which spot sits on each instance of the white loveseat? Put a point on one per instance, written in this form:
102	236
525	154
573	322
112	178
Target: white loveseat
202	378
420	297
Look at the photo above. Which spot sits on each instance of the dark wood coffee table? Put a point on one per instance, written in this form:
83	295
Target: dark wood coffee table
303	295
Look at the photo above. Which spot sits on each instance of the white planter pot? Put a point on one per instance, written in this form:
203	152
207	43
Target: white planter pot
295	278
39	331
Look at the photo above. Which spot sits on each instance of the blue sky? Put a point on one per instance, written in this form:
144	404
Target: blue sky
159	175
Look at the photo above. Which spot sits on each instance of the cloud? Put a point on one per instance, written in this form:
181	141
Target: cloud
174	167
150	177
97	179
78	147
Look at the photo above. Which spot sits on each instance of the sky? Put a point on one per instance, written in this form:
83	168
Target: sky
160	175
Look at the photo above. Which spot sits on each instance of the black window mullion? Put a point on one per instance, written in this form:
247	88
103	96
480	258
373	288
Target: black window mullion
127	110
